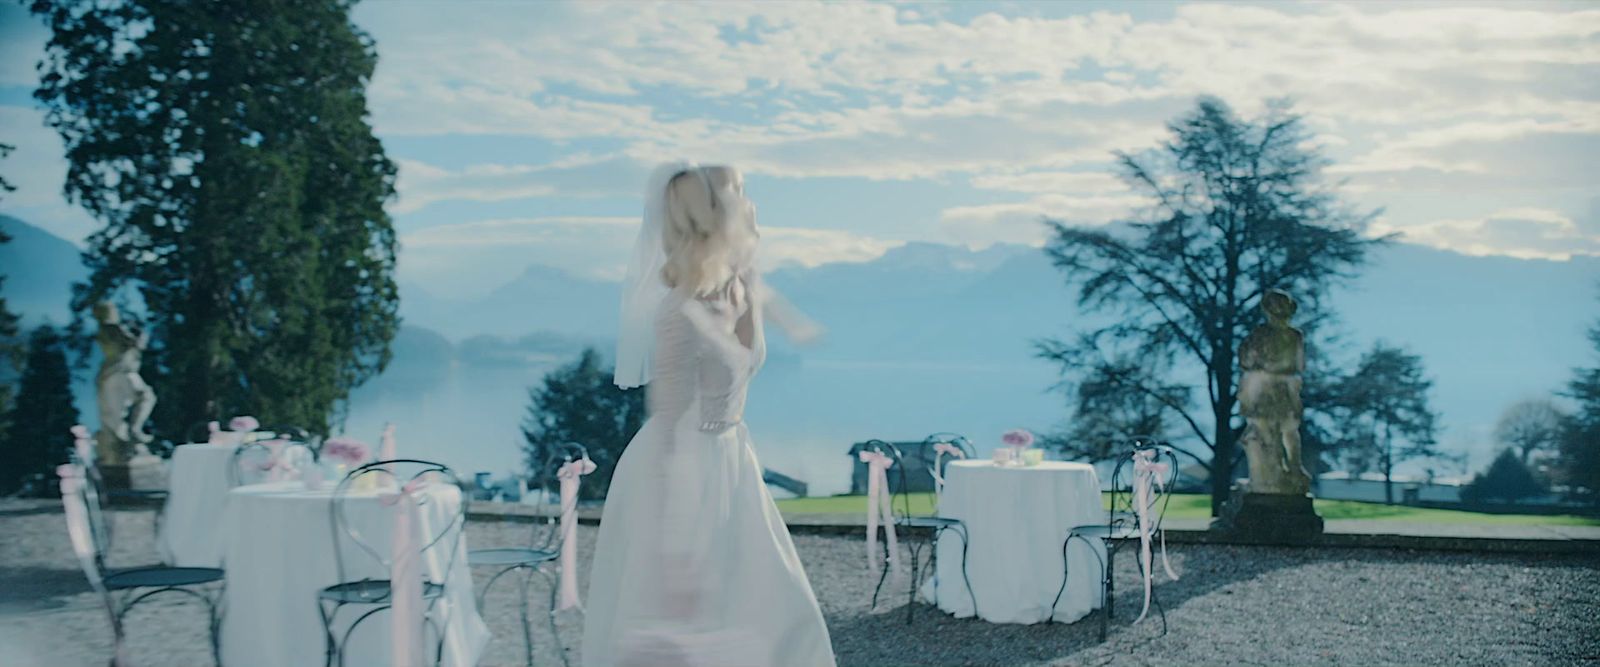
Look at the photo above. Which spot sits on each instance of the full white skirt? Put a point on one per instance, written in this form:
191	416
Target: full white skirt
694	565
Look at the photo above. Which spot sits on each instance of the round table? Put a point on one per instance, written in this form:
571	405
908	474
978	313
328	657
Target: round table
279	554
197	489
1017	518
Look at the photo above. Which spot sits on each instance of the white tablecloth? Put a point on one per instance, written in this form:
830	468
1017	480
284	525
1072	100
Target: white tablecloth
191	533
1017	519
279	555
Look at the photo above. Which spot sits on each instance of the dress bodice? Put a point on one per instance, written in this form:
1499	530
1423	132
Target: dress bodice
707	348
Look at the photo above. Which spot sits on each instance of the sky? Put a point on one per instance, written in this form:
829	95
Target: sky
523	130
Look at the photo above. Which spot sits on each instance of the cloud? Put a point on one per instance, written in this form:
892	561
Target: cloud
1023	222
1529	233
577	175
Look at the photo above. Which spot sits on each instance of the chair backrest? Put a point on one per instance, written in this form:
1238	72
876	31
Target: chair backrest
86	524
256	462
1148	462
545	485
391	477
932	457
900	503
293	434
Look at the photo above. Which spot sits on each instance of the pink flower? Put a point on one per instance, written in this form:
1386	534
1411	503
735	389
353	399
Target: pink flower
346	450
1017	438
244	424
80	432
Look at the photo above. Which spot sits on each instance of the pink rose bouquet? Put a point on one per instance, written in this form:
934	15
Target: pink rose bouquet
1018	438
348	451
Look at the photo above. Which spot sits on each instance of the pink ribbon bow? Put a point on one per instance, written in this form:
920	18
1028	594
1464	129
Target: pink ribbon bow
405	578
81	445
1148	472
941	450
570	474
879	510
279	465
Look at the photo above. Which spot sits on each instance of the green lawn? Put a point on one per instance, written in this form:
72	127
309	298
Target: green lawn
1198	506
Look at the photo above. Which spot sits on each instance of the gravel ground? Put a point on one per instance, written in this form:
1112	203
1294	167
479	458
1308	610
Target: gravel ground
1234	605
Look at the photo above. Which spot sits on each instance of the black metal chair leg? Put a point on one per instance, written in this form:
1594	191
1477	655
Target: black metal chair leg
972	595
527	631
883	573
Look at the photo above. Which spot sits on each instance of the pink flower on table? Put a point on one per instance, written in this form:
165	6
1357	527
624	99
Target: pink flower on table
243	424
345	450
1017	438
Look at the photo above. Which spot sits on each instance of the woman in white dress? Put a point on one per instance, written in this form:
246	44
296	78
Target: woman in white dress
694	565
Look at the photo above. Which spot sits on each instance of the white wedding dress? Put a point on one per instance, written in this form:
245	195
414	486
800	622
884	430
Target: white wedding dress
694	565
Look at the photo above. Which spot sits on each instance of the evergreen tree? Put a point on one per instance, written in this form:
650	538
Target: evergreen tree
39	437
1386	415
580	403
1238	208
1578	457
11	347
1506	480
226	148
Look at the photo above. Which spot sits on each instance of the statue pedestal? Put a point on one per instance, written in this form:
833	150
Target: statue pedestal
147	473
1272	518
142	473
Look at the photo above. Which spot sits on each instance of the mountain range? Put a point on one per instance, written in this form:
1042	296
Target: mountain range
936	329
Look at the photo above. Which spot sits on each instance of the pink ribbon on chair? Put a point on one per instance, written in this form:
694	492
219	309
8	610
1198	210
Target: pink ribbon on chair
405	579
81	444
278	466
570	474
1148	472
879	509
82	537
386	446
941	450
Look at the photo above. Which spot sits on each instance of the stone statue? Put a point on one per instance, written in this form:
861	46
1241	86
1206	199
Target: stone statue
1272	358
125	399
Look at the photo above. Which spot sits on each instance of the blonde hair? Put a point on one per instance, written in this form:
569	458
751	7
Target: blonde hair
704	236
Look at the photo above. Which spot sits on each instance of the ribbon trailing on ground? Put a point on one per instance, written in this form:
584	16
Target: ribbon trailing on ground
570	474
405	579
879	509
1149	472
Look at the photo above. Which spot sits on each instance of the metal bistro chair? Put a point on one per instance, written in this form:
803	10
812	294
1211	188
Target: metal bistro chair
252	462
1122	524
933	526
106	496
123	589
543	548
377	593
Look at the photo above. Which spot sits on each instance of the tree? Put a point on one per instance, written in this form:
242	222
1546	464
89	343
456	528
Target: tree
1578	459
1238	208
1529	427
580	403
1506	480
11	350
1109	409
1387	418
34	445
226	148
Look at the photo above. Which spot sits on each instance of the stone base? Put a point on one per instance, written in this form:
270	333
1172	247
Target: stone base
1269	518
116	476
146	473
